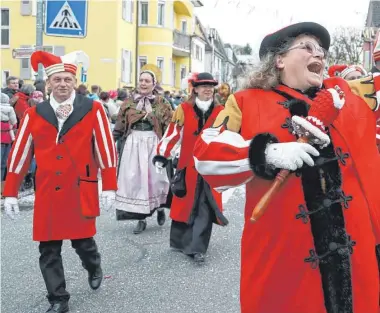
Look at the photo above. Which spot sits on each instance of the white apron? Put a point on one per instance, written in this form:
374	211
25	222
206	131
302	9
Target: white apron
141	189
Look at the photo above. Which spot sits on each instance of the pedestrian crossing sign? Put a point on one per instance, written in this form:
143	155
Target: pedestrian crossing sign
66	18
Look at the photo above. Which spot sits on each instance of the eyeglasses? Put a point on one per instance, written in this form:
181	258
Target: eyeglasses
312	48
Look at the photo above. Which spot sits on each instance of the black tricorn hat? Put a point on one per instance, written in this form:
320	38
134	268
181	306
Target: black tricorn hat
204	79
272	42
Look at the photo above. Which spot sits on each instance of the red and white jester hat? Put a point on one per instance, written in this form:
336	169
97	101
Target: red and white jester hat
344	70
55	64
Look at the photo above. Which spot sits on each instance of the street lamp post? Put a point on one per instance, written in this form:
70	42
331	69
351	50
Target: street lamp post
40	33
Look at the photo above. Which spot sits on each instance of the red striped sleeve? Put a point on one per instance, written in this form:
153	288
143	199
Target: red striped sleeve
221	157
105	148
19	158
171	141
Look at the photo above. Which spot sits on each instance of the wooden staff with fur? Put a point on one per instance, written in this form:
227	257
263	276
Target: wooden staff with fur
311	129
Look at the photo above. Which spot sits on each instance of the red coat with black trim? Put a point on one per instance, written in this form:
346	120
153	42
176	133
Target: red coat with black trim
314	249
68	161
180	138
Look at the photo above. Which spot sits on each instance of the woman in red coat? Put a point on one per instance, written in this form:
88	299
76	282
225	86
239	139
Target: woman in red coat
195	206
314	249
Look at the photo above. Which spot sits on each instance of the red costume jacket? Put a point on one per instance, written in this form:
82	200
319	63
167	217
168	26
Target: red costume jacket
21	104
180	137
314	249
67	199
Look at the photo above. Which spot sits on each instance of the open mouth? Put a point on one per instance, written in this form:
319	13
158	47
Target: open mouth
315	68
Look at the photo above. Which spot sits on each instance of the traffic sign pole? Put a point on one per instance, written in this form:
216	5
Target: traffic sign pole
40	33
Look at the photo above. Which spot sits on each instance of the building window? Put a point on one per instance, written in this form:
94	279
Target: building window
4	75
183	72
161	13
160	65
5	32
184	27
198	53
142	62
127	10
144	13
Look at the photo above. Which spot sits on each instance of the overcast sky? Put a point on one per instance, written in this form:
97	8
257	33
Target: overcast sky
242	21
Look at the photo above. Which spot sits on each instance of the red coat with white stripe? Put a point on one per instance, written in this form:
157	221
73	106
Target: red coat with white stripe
180	137
76	153
275	273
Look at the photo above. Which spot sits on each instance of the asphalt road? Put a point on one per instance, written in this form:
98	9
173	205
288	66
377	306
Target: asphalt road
142	274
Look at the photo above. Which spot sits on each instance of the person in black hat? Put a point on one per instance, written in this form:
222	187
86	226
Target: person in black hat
195	206
313	248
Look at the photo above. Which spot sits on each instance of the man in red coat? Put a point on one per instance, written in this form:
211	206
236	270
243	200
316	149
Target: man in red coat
315	248
71	139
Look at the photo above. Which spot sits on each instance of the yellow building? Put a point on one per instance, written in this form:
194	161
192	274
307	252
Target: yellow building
163	34
110	41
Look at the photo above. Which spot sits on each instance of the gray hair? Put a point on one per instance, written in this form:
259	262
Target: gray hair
27	89
265	74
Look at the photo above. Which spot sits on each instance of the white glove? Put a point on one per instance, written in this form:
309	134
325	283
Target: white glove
290	155
159	165
108	199
11	207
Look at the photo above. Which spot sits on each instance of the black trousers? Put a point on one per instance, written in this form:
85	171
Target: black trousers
52	268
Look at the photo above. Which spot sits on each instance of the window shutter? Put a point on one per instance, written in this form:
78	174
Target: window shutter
26	8
59	50
25	68
130	66
123	9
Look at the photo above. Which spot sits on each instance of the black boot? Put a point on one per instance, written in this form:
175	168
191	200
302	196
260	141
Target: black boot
161	217
28	181
140	227
95	278
58	307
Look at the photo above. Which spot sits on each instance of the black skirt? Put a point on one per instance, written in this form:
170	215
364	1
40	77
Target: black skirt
194	237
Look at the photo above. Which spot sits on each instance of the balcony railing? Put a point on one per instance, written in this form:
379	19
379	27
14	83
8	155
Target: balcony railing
181	41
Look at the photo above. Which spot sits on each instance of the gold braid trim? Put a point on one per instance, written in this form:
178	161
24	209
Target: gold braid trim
233	114
365	89
179	116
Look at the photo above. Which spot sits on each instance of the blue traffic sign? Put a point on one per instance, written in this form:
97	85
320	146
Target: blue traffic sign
66	18
83	76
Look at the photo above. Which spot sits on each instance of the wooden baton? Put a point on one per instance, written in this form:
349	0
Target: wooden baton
281	177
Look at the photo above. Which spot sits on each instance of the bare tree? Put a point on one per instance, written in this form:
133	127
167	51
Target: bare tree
346	46
242	50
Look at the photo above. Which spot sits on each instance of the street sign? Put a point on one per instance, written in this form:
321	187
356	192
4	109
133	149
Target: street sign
83	76
22	53
66	18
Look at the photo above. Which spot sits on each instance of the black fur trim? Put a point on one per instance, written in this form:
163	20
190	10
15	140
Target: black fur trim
312	92
257	156
298	107
160	158
378	256
328	229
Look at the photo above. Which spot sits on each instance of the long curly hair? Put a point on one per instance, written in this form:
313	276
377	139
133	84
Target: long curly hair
265	74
